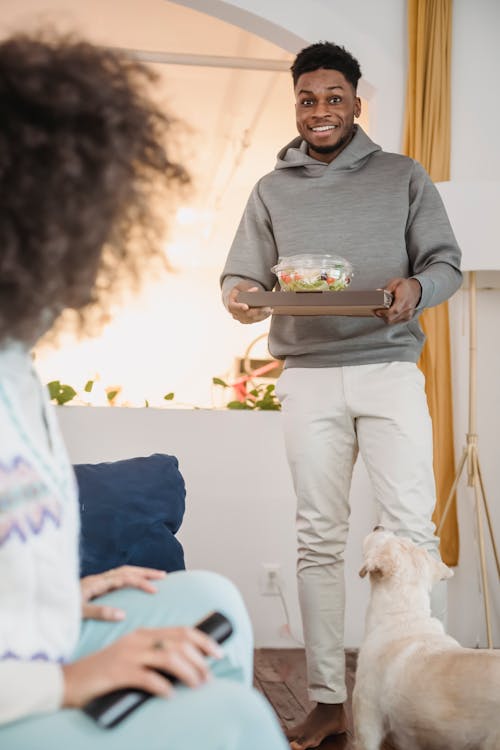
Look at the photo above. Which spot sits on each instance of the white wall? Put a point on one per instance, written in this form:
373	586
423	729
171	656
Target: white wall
475	108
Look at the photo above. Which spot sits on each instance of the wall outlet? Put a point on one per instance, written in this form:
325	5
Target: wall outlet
270	579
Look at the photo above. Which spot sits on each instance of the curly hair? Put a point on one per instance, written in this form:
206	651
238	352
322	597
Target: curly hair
83	164
326	55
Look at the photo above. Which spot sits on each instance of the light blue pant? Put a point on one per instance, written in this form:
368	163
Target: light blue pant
224	714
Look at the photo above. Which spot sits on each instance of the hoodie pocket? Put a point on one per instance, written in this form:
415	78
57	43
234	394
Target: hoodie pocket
414	329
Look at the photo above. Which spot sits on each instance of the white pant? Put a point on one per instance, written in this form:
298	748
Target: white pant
329	414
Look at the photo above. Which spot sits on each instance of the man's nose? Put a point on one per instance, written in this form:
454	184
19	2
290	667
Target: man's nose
321	109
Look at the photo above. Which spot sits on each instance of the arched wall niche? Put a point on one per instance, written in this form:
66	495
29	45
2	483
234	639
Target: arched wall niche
249	21
374	32
263	26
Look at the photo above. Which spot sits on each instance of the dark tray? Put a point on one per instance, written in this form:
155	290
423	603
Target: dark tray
361	303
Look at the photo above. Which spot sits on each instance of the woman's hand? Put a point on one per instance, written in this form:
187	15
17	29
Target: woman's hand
127	576
131	661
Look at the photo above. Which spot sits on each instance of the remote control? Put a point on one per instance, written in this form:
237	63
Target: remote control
110	709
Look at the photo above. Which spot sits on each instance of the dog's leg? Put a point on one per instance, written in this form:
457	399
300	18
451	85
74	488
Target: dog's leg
369	736
492	743
368	725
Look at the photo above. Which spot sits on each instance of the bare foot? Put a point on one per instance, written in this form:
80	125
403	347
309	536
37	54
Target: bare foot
323	721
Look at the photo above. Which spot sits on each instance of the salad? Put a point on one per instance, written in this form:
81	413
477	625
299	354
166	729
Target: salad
313	273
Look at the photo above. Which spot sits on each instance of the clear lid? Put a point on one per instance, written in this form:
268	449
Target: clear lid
322	261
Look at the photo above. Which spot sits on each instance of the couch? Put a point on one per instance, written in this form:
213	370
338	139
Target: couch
130	513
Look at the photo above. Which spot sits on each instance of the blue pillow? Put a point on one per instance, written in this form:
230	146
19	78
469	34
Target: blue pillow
130	511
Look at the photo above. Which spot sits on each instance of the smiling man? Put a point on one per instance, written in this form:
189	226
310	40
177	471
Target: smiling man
326	105
349	384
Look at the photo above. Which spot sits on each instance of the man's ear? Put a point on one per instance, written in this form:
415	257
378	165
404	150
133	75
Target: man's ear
357	107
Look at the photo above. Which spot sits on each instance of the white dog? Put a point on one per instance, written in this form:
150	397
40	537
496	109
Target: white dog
413	682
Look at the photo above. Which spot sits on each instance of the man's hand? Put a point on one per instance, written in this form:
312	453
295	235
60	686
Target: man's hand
127	576
241	311
407	293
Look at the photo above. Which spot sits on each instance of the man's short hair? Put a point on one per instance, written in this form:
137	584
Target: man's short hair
326	55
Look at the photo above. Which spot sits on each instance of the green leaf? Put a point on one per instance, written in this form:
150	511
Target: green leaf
60	393
238	405
218	381
146	404
169	396
267	400
269	406
111	395
88	386
54	387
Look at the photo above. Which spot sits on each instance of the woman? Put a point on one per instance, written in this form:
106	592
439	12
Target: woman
81	163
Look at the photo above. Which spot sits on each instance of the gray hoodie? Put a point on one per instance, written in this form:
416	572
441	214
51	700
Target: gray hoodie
380	211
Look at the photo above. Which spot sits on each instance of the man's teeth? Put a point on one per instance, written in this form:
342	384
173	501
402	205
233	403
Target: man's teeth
322	128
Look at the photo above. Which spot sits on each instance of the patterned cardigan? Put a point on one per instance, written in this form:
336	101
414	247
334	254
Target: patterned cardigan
40	604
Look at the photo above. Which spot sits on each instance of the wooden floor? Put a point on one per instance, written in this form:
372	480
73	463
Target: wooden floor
281	675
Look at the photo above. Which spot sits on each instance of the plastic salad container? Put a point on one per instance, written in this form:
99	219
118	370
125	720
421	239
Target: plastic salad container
314	272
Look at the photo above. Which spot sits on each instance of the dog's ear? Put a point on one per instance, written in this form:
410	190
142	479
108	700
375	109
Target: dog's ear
441	571
379	562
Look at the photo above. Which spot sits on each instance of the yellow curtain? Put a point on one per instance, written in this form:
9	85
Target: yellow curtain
427	139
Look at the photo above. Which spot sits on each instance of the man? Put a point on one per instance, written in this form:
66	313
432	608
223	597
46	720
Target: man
349	383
